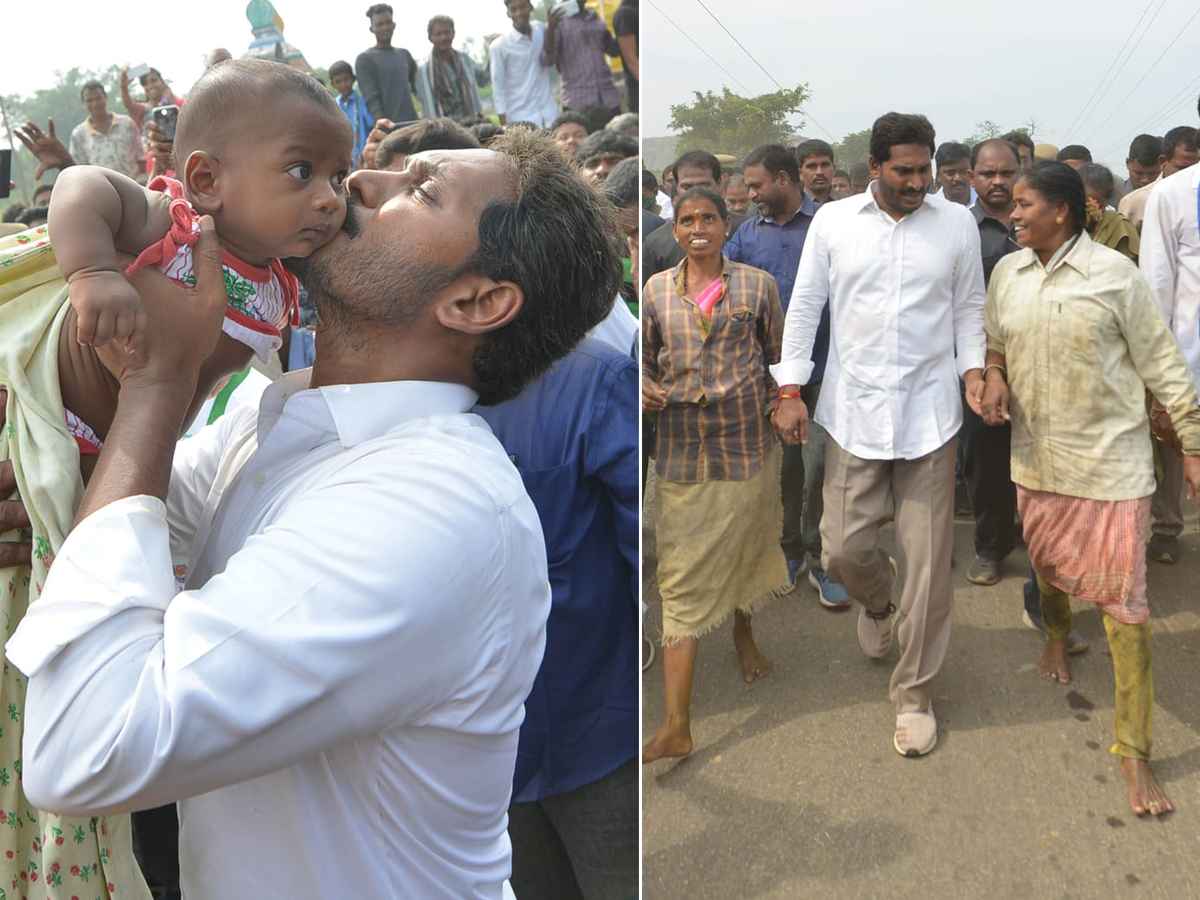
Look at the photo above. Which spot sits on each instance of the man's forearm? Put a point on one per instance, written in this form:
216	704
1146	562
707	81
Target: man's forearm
140	444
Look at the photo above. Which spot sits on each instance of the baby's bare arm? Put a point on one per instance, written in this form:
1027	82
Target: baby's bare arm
96	212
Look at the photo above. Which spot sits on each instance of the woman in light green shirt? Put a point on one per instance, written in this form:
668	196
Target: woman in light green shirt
1074	341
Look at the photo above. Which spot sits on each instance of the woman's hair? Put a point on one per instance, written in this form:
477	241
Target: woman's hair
1098	178
1059	183
706	193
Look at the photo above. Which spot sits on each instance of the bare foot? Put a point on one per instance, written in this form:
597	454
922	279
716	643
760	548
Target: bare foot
671	740
1145	796
754	664
1053	664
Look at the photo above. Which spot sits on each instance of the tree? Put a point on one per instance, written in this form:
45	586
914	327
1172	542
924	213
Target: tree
736	125
853	149
984	131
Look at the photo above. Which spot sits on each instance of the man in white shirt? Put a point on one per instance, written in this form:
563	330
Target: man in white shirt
337	694
1170	262
903	277
521	70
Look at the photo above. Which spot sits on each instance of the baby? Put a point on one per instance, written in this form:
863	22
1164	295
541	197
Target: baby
260	147
263	149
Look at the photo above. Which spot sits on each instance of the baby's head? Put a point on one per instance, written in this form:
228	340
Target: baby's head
264	149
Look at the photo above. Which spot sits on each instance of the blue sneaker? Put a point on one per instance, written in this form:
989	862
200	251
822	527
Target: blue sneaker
796	568
831	594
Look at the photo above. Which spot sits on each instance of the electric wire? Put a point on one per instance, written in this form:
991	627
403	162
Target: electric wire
1084	112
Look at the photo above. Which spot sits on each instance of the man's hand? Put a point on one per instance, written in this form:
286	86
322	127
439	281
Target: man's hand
654	398
49	150
1162	428
1191	475
12	512
182	324
162	149
383	127
791	421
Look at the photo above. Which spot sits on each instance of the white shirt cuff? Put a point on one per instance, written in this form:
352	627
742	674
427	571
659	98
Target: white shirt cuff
792	372
117	558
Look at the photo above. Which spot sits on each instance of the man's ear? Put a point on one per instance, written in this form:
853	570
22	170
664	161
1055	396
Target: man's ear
201	179
475	304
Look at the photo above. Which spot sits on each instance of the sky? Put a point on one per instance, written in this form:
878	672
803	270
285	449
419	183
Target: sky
958	63
175	38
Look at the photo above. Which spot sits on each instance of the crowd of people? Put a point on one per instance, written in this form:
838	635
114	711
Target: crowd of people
380	615
1005	330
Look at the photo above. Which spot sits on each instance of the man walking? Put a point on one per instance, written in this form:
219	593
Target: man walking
902	274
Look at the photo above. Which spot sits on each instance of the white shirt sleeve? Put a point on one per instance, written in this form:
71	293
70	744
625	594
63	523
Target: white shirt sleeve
810	293
970	335
499	79
1159	255
365	604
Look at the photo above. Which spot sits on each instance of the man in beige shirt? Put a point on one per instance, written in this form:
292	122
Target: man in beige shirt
1179	152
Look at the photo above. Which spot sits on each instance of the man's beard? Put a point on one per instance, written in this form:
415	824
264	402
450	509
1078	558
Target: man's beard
386	287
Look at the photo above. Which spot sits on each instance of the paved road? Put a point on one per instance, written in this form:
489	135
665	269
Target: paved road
794	790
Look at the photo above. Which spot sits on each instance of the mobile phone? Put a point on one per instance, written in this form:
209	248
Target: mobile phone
166	117
5	171
565	8
138	71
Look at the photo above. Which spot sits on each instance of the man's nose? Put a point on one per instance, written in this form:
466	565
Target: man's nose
373	187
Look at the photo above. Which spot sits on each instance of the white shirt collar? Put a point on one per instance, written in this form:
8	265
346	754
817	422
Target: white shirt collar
359	412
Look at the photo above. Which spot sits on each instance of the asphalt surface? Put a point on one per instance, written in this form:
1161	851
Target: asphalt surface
794	789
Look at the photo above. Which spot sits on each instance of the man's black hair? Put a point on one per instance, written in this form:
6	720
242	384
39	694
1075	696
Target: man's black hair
813	147
92	85
486	132
573	117
951	152
377	9
438	20
1020	139
1180	134
623	186
893	129
1007	143
1145	149
649	182
604	141
32	214
341	67
697	159
775	158
1059	183
427	134
555	242
1074	151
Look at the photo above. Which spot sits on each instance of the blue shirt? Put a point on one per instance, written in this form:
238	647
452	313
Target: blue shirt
573	435
360	120
765	244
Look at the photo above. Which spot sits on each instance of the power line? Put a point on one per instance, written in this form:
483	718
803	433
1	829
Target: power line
1183	97
753	59
701	49
1079	115
1178	35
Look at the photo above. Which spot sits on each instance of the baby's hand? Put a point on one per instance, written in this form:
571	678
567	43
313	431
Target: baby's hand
108	309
